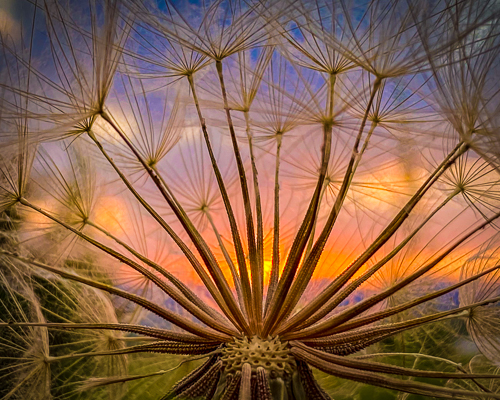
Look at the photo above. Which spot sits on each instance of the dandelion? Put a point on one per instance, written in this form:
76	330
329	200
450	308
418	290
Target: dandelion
231	199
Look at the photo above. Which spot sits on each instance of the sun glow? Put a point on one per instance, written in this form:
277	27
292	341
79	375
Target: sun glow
268	266
111	212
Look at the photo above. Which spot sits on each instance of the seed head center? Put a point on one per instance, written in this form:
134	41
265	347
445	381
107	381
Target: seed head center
270	354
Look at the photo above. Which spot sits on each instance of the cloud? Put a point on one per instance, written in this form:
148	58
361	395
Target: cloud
9	25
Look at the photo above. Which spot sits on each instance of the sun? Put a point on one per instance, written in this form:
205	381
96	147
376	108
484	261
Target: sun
268	265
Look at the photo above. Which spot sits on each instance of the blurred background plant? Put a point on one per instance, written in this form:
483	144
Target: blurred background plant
175	175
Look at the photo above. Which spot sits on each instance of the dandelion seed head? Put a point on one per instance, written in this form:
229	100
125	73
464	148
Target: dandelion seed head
263	192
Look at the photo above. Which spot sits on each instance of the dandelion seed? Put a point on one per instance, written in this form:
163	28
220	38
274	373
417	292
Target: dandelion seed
274	191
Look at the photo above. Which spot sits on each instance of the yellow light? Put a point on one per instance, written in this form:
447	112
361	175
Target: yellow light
110	212
268	265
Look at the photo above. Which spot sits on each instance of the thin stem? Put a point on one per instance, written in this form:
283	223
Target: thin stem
375	379
252	246
275	314
167	347
306	271
325	327
294	322
120	257
156	333
186	298
362	321
386	368
275	266
311	239
176	319
194	235
318	302
258	206
300	240
227	257
178	241
238	246
420	355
